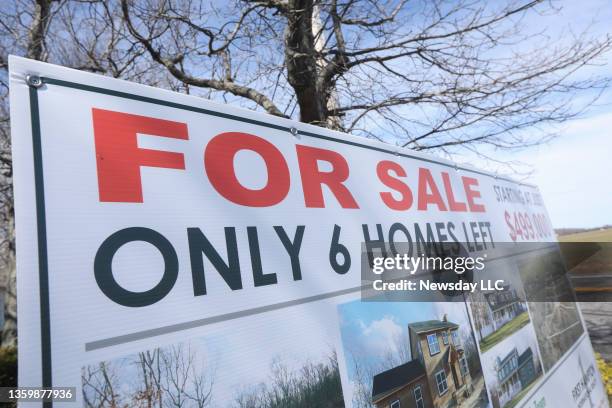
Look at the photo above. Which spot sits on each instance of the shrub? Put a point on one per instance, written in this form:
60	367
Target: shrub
8	367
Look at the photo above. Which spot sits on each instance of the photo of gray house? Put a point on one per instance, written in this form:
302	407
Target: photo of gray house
512	369
515	373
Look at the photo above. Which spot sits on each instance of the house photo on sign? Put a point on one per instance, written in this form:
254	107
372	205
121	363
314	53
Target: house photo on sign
403	354
498	314
305	204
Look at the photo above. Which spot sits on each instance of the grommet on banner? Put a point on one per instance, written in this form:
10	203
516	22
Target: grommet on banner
293	131
34	80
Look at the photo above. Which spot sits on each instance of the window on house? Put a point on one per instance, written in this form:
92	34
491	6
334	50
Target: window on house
445	337
418	397
463	366
441	382
455	335
395	404
434	345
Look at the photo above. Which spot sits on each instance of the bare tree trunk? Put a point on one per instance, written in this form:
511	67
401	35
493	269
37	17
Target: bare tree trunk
148	393
38	29
36	50
331	103
9	330
301	62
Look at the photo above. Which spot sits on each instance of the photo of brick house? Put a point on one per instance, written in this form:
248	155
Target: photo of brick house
437	376
402	386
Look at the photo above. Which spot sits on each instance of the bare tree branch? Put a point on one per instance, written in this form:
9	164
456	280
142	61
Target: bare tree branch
173	65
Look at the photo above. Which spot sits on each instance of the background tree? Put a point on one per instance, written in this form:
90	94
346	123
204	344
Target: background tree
314	384
150	372
30	37
100	386
83	35
184	384
434	75
168	377
364	368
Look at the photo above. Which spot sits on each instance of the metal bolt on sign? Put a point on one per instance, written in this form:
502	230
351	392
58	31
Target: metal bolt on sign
293	131
34	80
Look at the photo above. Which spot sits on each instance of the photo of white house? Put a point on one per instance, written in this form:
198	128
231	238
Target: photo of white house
502	307
499	313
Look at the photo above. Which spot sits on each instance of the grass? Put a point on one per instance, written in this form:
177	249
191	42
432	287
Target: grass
604	235
589	253
518	397
506	330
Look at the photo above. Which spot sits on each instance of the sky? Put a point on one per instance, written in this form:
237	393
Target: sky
371	330
573	171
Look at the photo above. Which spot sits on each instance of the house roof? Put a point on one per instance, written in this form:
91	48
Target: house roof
501	362
500	299
509	355
525	356
432	325
391	380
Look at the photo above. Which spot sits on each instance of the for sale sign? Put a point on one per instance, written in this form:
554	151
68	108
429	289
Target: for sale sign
175	251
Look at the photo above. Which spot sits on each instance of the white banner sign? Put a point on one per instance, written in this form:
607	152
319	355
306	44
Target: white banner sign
170	248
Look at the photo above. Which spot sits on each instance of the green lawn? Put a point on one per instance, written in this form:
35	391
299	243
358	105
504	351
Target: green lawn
518	397
506	330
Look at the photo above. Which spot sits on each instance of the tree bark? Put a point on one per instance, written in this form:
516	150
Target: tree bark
9	329
301	62
38	29
330	94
